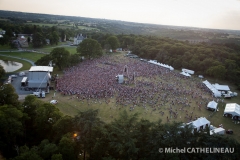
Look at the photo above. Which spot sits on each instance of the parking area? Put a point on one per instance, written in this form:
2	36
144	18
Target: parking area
16	83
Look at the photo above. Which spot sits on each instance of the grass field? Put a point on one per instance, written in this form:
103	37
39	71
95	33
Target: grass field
28	55
71	105
6	47
71	49
61	25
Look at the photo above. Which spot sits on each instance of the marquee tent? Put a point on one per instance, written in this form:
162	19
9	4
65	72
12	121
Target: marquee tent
215	92
233	109
212	105
221	87
200	122
185	74
188	71
160	64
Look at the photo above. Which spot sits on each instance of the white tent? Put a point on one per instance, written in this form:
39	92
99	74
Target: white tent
185	74
200	122
212	105
233	109
188	71
22	74
217	131
160	64
221	87
120	78
215	92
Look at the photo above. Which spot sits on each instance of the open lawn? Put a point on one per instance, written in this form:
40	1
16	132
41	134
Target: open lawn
71	49
28	55
6	47
109	109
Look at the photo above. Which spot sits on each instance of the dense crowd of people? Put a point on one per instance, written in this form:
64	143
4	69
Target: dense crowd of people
145	85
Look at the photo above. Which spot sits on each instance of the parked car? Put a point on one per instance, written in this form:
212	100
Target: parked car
53	101
14	76
229	131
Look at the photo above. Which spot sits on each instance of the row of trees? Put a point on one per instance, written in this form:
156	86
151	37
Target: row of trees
219	61
35	130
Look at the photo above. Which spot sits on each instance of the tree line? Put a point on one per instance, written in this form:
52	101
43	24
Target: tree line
216	60
36	130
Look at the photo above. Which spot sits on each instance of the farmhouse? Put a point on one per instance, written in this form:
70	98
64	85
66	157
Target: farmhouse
78	39
39	76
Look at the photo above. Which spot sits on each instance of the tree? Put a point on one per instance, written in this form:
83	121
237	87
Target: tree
217	71
85	123
47	149
8	95
67	148
44	61
75	59
38	40
54	38
10	128
28	39
60	57
28	154
113	42
57	157
2	71
46	116
89	48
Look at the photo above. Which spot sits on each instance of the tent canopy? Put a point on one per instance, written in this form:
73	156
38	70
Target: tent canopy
233	109
202	121
212	89
185	74
221	87
212	105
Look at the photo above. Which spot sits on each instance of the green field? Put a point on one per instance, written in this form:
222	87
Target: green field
61	25
48	49
28	55
6	47
71	105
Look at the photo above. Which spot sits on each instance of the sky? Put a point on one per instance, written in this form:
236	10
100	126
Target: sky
218	14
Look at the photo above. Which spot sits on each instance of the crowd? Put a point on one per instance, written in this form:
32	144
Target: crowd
146	85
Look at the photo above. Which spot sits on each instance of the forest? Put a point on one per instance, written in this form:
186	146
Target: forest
220	61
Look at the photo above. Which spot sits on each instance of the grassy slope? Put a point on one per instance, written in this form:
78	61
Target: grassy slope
28	55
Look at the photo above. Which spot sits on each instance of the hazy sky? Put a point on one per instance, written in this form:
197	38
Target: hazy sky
220	14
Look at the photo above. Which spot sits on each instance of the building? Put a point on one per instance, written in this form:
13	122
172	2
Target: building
23	42
78	39
39	77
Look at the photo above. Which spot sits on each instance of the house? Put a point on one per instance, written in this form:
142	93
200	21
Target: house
22	41
78	39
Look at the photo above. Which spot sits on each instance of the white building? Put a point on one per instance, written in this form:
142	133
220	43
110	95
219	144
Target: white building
78	39
39	76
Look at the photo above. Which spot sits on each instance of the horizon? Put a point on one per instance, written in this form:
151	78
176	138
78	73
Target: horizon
214	14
